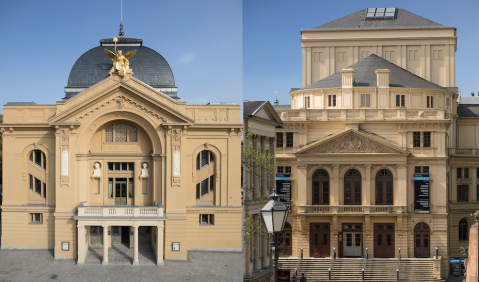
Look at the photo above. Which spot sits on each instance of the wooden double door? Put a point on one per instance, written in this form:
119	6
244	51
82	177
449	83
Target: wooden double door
319	242
384	240
285	239
422	240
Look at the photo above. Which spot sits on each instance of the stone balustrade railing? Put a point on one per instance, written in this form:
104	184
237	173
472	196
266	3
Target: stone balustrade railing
350	209
120	211
360	114
463	152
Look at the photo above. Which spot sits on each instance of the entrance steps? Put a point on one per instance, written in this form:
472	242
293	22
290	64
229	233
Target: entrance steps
350	269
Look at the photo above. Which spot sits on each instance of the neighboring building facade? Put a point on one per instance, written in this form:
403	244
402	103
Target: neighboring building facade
122	160
260	119
378	104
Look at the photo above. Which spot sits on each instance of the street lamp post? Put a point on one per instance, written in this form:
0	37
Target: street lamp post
274	215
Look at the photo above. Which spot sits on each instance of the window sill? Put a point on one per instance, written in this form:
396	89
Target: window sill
206	224
35	223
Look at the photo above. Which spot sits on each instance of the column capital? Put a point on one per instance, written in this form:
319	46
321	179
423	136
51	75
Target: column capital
335	166
367	166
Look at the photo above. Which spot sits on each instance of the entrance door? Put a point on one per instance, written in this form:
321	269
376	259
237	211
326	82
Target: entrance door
319	240
125	235
96	235
352	248
421	240
285	239
384	240
120	191
116	234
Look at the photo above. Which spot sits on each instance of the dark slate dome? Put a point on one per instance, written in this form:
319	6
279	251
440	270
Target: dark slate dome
147	65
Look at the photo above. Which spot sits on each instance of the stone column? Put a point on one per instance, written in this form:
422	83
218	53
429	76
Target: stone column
105	245
368	187
301	186
135	245
248	271
159	243
474	176
334	187
264	175
257	261
256	169
81	244
264	251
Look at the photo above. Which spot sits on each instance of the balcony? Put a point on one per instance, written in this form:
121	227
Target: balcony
120	211
349	209
463	152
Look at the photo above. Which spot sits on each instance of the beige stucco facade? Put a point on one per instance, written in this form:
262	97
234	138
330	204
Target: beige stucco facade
122	154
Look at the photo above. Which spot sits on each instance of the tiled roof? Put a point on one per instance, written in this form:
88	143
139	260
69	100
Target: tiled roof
366	77
356	21
282	107
468	110
249	107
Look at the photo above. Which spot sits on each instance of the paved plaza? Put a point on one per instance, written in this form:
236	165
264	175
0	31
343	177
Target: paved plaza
39	265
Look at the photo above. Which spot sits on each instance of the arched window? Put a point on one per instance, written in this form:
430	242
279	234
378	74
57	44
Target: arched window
37	173
205	177
121	132
320	187
463	229
384	187
352	187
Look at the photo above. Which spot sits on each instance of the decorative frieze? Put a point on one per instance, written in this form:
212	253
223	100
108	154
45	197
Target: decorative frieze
352	143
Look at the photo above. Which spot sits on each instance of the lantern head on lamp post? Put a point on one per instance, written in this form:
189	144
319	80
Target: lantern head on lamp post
274	216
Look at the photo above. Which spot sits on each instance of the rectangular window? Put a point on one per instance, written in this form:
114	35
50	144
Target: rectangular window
206	219
121	166
110	188
31	182
427	140
130	188
365	100
425	169
462	193
332	100
204	187
44	191
36	218
466	172
110	166
204	158
430	102
416	139
124	166
400	100
279	140
417	169
38	157
280	169
212	183
459	172
289	139
198	162
38	186
287	169
197	191
212	159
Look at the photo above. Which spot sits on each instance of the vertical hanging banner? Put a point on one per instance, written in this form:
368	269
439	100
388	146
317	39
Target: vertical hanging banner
283	188
421	192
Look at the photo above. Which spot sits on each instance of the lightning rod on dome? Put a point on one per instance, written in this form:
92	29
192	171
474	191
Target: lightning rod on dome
121	33
276	102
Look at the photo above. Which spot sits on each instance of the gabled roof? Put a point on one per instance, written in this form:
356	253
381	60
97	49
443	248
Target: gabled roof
356	21
352	141
251	108
366	77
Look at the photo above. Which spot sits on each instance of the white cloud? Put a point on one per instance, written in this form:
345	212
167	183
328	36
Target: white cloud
188	58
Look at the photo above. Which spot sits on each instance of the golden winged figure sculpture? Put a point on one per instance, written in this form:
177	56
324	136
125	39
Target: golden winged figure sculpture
121	65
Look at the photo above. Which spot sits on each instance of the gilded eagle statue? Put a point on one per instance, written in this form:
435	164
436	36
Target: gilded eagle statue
121	65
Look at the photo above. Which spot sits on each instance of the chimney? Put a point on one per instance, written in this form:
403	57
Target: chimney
383	78
348	77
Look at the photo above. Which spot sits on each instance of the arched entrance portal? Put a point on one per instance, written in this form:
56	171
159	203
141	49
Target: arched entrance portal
285	239
422	241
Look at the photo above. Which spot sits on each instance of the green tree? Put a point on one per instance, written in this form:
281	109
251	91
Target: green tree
257	165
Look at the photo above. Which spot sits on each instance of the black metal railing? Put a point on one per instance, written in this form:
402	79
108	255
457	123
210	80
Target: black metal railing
397	268
298	263
331	263
364	261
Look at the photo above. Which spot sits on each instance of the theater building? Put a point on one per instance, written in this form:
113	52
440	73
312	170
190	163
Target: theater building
121	159
377	105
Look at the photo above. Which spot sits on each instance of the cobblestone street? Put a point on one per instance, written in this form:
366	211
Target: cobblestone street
39	265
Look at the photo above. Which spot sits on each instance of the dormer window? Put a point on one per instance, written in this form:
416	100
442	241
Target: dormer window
121	132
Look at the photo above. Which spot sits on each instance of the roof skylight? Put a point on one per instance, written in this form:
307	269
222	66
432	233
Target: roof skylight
381	13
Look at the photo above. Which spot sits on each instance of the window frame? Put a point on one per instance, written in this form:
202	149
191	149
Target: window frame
33	219
289	139
463	193
113	132
416	143
464	233
321	198
427	143
384	180
332	100
353	181
279	139
210	220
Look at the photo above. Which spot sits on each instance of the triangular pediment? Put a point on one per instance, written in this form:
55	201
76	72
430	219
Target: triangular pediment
121	95
352	141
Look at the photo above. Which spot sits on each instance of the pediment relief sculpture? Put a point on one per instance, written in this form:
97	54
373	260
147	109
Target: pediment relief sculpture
351	143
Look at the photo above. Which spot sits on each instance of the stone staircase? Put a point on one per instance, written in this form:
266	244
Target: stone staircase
350	269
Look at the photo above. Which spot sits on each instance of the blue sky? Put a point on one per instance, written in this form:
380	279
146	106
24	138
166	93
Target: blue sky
272	50
201	40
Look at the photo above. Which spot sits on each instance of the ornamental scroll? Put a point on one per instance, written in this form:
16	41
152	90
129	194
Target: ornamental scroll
352	143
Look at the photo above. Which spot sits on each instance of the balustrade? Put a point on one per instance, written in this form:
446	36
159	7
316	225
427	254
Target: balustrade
120	211
349	209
